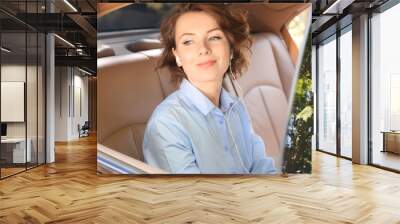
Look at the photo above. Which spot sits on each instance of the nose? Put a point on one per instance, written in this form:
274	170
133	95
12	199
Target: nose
204	48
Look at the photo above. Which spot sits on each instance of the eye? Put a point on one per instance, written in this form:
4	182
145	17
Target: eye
187	42
215	38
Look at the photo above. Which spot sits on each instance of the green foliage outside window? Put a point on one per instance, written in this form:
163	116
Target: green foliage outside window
300	126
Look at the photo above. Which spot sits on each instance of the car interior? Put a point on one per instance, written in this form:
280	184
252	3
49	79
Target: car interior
130	87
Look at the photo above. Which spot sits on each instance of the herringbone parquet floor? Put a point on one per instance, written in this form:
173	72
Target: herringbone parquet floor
69	191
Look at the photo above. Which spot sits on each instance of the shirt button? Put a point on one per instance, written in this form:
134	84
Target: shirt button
221	121
226	148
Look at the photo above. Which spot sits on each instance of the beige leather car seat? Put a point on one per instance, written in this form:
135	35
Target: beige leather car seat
266	89
129	89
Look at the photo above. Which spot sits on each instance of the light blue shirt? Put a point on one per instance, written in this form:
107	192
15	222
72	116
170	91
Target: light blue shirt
187	133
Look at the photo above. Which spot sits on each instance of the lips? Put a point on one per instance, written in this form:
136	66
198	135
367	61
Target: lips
206	64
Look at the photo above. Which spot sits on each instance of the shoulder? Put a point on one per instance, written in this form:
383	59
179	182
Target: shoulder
165	124
240	107
167	112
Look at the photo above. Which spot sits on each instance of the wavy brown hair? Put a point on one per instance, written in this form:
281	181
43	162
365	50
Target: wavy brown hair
233	22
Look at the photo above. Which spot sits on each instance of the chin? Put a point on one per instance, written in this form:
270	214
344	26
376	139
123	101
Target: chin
208	77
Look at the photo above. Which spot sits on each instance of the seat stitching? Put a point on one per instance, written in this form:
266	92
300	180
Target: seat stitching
268	113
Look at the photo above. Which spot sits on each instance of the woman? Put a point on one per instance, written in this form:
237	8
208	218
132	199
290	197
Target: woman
201	128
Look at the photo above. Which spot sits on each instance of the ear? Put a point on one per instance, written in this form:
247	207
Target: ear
178	61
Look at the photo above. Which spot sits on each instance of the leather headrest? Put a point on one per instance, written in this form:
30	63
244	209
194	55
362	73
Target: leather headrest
143	45
105	51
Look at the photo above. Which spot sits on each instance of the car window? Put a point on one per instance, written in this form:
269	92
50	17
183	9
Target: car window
297	27
134	16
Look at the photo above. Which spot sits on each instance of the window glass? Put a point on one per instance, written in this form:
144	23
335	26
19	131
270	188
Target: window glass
385	85
14	153
327	96
146	16
297	27
346	94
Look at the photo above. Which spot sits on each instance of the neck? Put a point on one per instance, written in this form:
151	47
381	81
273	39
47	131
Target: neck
211	90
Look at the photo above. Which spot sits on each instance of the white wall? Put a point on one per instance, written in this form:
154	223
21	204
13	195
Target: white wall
12	73
71	93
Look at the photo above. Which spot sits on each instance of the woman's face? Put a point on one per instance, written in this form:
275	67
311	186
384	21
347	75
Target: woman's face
202	49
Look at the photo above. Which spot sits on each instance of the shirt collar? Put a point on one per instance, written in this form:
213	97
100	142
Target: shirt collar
194	97
227	100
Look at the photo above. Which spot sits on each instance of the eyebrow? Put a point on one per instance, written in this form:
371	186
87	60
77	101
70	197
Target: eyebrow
217	28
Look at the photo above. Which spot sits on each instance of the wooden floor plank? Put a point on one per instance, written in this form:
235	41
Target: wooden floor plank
70	191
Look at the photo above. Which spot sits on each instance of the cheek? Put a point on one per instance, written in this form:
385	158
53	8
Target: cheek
224	55
223	50
187	58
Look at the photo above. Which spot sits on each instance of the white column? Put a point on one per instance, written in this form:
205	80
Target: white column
360	90
50	92
62	103
50	100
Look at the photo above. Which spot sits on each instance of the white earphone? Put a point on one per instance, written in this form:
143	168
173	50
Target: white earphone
233	77
178	62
